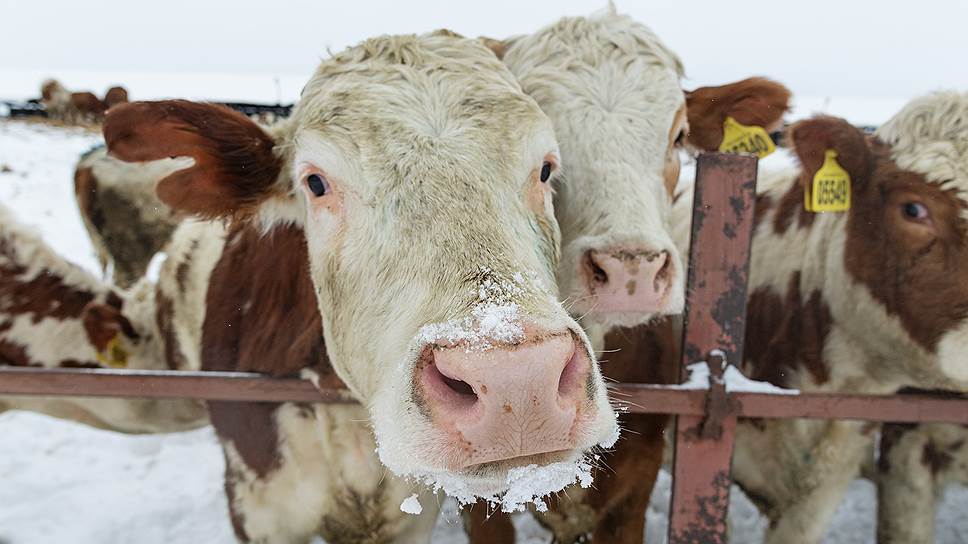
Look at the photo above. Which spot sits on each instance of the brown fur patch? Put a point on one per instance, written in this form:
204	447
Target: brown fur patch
115	96
261	317
85	189
235	166
936	459
41	296
763	205
164	308
87	102
12	353
48	89
786	334
915	270
790	207
754	101
181	271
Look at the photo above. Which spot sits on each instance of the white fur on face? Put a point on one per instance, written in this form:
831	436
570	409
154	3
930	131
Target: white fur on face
612	90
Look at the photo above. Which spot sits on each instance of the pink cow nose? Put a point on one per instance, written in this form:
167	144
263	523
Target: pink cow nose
510	401
624	280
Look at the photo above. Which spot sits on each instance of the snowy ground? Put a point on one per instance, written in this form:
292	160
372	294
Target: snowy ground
63	482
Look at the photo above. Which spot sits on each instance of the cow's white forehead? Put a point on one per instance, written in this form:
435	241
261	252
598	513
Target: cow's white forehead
930	136
384	77
414	103
601	76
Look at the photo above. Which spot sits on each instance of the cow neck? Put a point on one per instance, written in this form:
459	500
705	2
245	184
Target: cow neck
261	310
788	316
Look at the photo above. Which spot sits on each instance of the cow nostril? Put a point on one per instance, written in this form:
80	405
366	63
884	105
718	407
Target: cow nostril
459	386
598	274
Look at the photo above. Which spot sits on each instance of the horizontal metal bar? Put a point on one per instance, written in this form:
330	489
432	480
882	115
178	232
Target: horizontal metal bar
895	408
637	398
159	384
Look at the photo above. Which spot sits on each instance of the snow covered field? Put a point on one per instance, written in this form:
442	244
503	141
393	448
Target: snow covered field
63	482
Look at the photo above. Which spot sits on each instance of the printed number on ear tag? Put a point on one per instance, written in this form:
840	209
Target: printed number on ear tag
739	138
114	354
830	190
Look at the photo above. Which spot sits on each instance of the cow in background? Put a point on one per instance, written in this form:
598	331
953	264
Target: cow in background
53	314
613	92
868	300
82	107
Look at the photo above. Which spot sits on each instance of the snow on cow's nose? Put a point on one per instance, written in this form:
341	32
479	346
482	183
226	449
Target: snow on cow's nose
509	401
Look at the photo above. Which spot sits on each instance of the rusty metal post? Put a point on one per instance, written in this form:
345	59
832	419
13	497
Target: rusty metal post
715	319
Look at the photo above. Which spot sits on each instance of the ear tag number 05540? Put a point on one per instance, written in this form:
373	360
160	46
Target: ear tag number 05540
739	138
830	190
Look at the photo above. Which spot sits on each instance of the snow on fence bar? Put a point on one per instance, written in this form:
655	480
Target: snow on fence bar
714	325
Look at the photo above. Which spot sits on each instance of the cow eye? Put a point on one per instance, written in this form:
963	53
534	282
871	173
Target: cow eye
915	211
317	184
680	137
545	171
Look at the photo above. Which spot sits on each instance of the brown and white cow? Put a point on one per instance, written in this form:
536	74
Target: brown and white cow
54	314
917	462
408	199
70	107
865	301
612	90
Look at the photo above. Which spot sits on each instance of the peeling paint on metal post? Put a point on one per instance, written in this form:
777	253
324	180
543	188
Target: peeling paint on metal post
715	319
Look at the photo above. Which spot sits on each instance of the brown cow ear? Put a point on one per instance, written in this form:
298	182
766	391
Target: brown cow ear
755	101
235	166
499	47
813	137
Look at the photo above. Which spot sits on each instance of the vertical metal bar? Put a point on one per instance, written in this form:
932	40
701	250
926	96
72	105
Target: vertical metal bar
715	319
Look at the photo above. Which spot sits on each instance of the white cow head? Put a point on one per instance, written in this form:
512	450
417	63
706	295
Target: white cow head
612	90
421	175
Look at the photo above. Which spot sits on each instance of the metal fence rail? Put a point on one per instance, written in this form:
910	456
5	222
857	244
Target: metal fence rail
34	108
638	398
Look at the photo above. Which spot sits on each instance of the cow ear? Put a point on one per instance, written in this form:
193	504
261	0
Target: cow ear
755	101
813	137
235	167
499	47
103	323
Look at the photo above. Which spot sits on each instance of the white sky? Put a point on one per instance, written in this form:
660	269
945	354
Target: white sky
820	48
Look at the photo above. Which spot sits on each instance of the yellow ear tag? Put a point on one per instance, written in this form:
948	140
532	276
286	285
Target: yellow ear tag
114	354
739	138
830	191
